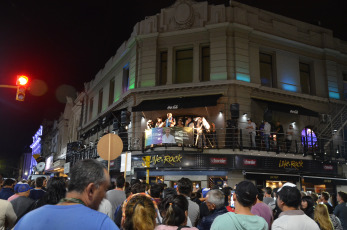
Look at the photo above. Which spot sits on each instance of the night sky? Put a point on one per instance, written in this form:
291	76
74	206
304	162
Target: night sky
60	44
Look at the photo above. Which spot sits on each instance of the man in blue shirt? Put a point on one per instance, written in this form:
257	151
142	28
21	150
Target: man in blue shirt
341	209
37	192
87	187
7	190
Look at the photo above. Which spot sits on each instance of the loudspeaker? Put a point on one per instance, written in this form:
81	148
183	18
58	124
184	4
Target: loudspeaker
115	124
268	116
235	110
125	117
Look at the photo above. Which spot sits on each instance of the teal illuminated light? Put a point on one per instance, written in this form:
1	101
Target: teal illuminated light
243	77
289	87
334	95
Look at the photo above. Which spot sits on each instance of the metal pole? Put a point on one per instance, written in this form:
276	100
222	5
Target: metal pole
9	86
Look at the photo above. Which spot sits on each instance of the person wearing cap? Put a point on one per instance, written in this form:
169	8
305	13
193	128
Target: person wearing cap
245	197
89	181
291	217
22	204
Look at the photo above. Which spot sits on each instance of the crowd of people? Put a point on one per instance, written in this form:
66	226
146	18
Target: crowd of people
266	136
91	200
204	132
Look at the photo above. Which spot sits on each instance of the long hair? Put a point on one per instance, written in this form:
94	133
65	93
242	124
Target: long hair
140	214
175	207
56	189
321	216
310	205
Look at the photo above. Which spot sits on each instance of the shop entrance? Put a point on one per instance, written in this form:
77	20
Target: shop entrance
274	184
196	185
318	188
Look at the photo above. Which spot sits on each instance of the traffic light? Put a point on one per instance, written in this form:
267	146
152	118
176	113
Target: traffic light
21	83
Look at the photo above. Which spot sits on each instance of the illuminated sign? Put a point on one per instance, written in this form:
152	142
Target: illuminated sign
218	161
172	107
291	164
328	167
36	145
163	159
252	162
294	111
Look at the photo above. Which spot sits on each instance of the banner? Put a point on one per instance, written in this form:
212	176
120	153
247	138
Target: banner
173	135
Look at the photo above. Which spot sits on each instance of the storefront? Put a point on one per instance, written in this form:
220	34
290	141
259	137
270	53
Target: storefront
207	170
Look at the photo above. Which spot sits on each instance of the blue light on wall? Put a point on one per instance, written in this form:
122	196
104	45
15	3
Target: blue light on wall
243	77
289	87
334	95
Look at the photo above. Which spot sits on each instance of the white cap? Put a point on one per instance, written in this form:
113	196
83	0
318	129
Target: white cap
286	184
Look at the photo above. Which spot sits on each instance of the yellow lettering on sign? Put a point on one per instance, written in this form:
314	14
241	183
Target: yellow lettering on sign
290	164
163	159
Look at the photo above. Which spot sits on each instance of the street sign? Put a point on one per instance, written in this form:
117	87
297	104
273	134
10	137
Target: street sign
110	147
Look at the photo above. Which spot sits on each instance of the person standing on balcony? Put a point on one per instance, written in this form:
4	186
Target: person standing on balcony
170	121
251	127
189	123
279	135
267	130
159	123
290	132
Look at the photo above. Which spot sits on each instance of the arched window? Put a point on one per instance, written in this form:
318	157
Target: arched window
308	137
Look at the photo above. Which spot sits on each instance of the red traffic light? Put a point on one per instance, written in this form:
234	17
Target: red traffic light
22	80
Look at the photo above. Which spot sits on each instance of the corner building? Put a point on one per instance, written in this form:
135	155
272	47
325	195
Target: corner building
226	64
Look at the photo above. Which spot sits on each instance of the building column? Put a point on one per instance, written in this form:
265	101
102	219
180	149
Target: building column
170	65
196	63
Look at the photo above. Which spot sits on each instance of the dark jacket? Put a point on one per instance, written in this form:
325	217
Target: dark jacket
5	193
310	212
206	222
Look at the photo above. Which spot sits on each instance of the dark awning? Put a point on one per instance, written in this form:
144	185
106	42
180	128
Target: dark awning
288	108
177	103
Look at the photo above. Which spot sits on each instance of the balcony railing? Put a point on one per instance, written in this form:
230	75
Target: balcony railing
228	139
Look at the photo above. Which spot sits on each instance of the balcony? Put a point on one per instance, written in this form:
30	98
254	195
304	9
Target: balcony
223	141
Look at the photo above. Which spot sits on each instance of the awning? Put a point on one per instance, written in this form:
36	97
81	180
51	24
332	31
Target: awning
288	108
177	103
325	180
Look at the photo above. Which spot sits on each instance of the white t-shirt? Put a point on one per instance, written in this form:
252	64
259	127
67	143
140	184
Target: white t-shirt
290	136
168	139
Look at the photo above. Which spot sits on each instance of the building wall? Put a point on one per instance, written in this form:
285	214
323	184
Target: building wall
235	35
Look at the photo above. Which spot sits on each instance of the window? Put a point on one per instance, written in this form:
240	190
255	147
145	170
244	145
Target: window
205	64
344	85
163	68
184	66
91	101
101	94
266	70
111	93
305	78
126	78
